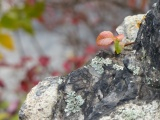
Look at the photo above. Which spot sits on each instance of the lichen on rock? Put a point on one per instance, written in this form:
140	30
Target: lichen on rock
73	103
117	67
97	63
136	110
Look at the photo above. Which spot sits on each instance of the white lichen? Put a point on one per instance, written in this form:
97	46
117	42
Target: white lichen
134	69
107	61
98	62
73	103
117	67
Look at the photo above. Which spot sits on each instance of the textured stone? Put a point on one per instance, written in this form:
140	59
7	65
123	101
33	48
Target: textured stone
148	47
40	101
130	26
136	110
109	87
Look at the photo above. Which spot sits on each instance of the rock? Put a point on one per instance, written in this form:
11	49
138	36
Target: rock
136	111
148	47
130	26
109	87
40	102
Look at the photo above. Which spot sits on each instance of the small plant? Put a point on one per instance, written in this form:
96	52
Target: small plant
107	39
73	103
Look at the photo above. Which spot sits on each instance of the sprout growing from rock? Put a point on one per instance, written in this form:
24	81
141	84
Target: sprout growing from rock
107	39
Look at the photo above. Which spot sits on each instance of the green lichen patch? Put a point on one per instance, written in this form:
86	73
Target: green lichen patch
136	111
73	103
134	69
98	62
117	67
132	114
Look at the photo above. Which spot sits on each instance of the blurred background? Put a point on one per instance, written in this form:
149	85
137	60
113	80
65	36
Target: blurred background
40	38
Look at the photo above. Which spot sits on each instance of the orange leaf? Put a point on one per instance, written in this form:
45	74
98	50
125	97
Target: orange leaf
6	41
120	37
105	42
105	38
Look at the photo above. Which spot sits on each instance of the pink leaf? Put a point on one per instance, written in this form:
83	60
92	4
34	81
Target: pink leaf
120	37
105	38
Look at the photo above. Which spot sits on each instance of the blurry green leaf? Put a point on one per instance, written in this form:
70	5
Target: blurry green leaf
6	41
15	117
4	116
35	10
26	25
10	19
4	105
118	47
17	17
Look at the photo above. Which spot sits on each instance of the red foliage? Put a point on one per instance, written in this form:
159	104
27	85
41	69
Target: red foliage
91	49
74	63
44	60
2	83
24	86
55	73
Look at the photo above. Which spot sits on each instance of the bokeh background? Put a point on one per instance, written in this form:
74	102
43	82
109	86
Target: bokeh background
40	38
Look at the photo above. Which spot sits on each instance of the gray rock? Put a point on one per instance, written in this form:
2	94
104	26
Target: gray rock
40	101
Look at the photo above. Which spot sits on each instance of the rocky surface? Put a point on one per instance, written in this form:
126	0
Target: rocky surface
110	86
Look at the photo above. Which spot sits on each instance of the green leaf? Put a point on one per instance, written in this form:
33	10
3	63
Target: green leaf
4	105
15	117
118	47
10	19
4	116
34	11
17	17
26	25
